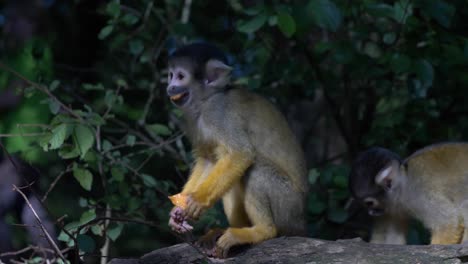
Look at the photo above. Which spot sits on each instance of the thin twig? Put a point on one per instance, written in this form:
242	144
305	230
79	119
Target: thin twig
44	230
22	135
142	120
15	253
109	107
69	169
115	219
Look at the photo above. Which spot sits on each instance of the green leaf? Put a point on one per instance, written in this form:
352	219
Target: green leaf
380	10
64	237
425	72
441	11
130	19
389	38
59	134
402	10
136	46
69	152
372	50
325	14
117	174
97	230
86	243
337	215
113	8
54	85
131	140
106	145
252	25
313	176
148	180
87	216
106	31
159	129
286	24
110	98
273	20
54	106
114	232
315	205
84	138
341	181
84	177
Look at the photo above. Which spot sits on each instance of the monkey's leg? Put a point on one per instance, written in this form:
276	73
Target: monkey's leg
233	203
259	183
389	229
263	228
448	234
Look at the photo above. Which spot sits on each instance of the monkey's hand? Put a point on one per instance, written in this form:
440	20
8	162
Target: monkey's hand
178	221
194	207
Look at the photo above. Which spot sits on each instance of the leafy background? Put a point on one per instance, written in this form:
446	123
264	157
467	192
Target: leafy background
95	120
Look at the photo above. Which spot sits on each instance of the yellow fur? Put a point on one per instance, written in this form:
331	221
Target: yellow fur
196	176
451	234
228	169
233	203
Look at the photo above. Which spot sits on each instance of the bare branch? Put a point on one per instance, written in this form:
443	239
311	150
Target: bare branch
44	230
69	168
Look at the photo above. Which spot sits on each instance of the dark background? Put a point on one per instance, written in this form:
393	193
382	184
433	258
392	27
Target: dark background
91	87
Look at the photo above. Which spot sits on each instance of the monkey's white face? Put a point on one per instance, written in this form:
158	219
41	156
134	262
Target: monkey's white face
179	82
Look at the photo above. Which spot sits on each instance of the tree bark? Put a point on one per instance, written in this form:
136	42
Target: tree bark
313	251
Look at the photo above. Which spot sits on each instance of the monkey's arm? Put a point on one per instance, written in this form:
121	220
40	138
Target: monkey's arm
194	180
228	170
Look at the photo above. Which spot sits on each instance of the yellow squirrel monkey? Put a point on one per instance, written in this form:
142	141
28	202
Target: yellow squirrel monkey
245	154
431	185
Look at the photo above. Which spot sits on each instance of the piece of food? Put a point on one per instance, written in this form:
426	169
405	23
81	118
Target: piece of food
179	200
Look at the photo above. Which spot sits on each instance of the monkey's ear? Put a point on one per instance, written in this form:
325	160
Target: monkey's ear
217	73
387	176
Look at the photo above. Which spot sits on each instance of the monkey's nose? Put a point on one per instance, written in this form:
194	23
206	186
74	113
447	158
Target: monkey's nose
371	203
170	89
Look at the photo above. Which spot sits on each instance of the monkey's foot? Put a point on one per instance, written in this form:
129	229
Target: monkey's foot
224	243
207	242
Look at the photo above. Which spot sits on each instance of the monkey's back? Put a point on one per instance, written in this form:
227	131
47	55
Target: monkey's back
446	165
269	133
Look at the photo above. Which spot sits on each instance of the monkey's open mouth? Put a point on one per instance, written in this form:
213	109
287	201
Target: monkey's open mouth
180	98
375	212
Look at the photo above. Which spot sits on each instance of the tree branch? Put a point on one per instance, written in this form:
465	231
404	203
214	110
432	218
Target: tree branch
44	230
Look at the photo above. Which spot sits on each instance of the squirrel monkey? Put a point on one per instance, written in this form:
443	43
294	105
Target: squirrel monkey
430	185
245	154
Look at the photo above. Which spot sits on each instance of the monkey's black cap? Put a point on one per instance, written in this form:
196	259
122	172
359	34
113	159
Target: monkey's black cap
200	52
366	166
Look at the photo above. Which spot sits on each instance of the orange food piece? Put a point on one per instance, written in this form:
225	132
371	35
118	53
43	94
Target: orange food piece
176	97
179	200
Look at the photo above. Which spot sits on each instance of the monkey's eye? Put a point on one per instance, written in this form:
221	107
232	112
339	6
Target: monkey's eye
170	75
180	76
